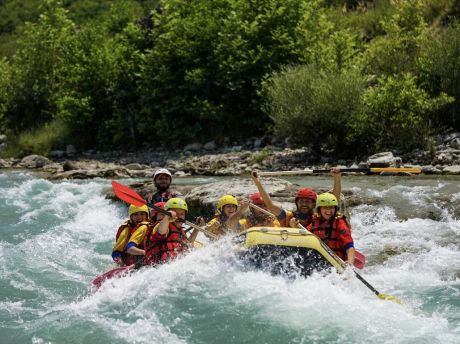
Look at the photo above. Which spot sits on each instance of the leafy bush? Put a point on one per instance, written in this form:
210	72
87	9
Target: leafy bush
79	76
5	80
35	70
439	69
397	50
366	21
395	115
312	106
39	141
260	156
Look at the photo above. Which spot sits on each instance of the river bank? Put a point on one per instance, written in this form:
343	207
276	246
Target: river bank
231	161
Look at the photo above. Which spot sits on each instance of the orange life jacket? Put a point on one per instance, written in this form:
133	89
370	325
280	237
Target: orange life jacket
160	250
328	231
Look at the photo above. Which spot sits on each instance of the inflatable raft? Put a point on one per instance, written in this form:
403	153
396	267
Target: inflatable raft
277	250
283	250
121	271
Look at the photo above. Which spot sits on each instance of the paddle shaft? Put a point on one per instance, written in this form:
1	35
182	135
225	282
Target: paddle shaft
191	224
349	170
262	210
343	264
132	197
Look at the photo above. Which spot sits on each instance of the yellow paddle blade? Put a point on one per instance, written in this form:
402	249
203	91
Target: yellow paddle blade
198	244
389	297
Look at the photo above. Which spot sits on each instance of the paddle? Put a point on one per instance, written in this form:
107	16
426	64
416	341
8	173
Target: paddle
344	265
128	195
412	170
118	271
358	262
132	197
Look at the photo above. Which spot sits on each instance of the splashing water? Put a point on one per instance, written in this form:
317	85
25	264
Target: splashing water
56	237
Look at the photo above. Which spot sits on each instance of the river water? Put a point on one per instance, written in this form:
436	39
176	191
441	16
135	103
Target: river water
57	236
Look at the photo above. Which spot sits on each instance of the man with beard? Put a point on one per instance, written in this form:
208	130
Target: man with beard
162	180
305	202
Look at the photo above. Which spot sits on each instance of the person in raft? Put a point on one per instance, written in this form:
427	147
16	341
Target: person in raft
256	217
155	218
168	238
155	215
138	222
305	202
228	214
332	227
162	180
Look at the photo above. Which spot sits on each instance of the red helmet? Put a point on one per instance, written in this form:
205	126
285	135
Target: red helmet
306	193
257	199
153	212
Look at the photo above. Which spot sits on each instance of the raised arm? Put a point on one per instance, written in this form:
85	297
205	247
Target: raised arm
274	209
233	220
163	226
199	222
337	190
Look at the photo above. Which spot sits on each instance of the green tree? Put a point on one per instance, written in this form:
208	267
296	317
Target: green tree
35	69
395	115
439	71
98	94
5	80
396	51
209	58
79	76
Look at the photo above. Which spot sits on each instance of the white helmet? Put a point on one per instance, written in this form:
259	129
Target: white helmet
161	171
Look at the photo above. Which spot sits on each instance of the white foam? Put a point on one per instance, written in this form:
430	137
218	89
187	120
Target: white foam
196	294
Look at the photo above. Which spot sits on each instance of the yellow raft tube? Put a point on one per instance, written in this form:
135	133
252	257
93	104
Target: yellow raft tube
285	250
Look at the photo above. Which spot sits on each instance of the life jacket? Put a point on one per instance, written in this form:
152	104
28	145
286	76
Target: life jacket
267	221
222	229
328	231
162	250
149	235
161	196
127	258
304	220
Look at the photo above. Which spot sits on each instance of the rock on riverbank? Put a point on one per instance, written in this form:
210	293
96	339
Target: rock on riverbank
233	163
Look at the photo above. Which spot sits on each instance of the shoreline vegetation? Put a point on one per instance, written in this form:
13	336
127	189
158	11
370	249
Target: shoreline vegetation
342	78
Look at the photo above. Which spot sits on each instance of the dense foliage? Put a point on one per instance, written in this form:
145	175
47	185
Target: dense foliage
343	77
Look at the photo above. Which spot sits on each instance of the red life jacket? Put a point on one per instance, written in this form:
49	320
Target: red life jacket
164	249
149	235
328	231
127	258
161	196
